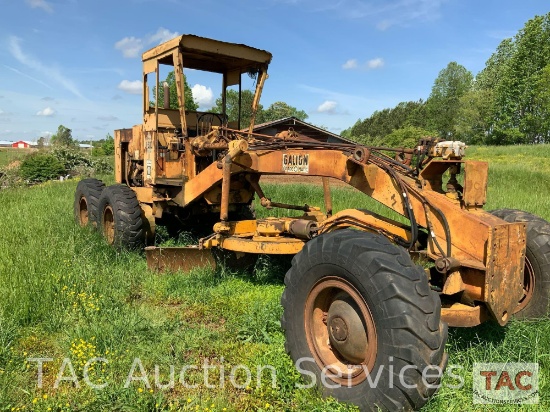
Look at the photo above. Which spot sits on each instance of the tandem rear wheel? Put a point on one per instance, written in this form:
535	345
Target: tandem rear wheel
86	201
120	218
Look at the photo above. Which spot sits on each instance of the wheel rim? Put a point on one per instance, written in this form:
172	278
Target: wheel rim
83	215
528	285
109	224
340	331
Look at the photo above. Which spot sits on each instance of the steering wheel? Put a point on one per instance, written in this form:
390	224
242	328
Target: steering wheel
206	120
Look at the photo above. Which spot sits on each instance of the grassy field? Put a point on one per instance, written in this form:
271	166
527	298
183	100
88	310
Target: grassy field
8	155
65	294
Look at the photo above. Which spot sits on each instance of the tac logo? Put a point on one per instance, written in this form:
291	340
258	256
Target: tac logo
506	383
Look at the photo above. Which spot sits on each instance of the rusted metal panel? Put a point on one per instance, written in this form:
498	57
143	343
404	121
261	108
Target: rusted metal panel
208	54
150	163
175	259
125	135
505	265
144	194
476	175
263	245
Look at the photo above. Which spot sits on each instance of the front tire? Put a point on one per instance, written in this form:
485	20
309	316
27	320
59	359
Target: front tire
356	305
86	201
120	219
535	302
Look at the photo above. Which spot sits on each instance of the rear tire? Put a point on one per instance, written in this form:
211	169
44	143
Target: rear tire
86	201
535	302
356	302
120	218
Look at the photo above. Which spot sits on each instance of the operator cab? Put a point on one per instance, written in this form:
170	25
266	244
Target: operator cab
160	152
163	112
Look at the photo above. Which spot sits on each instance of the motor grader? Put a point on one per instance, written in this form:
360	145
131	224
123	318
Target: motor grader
364	293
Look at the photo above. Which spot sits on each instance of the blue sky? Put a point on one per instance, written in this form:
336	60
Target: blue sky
77	63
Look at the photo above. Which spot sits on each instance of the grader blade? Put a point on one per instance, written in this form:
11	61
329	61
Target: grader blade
173	259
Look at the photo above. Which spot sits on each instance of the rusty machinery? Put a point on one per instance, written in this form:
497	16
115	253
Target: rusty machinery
353	298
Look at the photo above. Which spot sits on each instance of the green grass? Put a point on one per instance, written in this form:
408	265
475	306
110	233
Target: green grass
9	154
64	293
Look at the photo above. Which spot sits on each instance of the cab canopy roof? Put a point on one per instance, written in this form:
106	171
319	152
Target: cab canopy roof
210	55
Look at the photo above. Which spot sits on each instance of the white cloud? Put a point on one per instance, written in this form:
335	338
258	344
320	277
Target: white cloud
353	64
47	71
160	36
48	111
375	63
328	107
132	87
129	46
350	64
40	4
133	46
203	95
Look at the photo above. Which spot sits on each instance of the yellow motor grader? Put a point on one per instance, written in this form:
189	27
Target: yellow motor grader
356	302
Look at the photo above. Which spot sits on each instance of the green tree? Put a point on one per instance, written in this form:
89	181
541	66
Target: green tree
232	106
279	110
275	111
518	107
41	142
539	119
373	129
39	167
475	116
407	136
444	101
108	146
190	103
63	137
494	69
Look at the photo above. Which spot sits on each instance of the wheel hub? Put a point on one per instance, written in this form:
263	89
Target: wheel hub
347	333
83	211
109	225
528	286
340	330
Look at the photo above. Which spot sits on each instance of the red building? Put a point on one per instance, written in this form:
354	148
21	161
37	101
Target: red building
21	144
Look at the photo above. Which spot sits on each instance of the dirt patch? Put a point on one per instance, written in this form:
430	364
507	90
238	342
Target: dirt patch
13	165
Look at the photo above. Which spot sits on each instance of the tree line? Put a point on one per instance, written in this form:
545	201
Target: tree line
64	138
508	102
